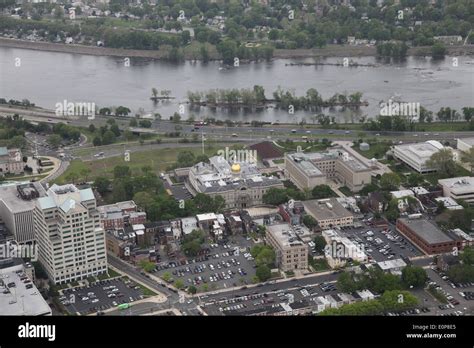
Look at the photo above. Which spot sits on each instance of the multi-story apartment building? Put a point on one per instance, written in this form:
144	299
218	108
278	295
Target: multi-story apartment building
17	202
69	235
307	170
291	253
239	183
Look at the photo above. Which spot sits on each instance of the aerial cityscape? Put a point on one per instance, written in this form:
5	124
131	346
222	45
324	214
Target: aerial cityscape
203	158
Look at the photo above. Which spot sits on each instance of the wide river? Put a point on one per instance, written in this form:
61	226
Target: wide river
47	78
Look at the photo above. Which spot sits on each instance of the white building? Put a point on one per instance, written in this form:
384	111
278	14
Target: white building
394	266
339	249
17	202
416	155
458	188
239	183
69	235
449	203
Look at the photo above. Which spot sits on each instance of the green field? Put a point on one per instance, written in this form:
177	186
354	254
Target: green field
377	150
158	159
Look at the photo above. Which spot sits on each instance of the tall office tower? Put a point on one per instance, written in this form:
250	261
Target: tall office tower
69	235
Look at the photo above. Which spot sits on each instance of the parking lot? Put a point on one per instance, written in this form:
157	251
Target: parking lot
382	244
460	296
242	304
226	265
100	296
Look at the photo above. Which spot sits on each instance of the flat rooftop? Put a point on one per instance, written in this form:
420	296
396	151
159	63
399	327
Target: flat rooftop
19	300
308	162
460	185
325	209
427	231
11	198
125	205
420	151
285	235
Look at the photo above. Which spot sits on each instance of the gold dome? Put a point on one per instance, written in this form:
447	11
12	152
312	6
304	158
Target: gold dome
235	168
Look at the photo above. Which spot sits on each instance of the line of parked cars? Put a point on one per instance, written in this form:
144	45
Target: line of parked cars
468	295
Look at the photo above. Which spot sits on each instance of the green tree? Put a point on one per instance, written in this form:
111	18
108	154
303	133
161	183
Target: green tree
109	137
322	191
443	161
438	51
390	181
346	283
309	221
102	184
54	140
320	243
266	256
468	157
178	284
166	276
147	266
413	276
143	200
192	289
415	179
467	256
121	171
275	196
263	273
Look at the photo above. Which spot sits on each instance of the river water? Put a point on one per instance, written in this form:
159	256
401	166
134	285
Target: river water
47	78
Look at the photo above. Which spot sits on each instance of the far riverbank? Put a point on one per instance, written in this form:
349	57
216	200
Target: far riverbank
328	51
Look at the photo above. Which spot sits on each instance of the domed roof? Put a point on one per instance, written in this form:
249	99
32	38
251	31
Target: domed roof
235	168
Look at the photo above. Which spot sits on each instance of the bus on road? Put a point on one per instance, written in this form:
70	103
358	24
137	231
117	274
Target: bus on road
124	306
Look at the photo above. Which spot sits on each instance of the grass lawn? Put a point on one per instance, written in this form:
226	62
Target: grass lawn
306	147
279	161
319	265
377	150
146	291
158	159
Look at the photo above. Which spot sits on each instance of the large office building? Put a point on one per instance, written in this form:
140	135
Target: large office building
307	170
428	237
291	252
417	155
239	183
11	161
461	188
17	202
329	213
69	235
